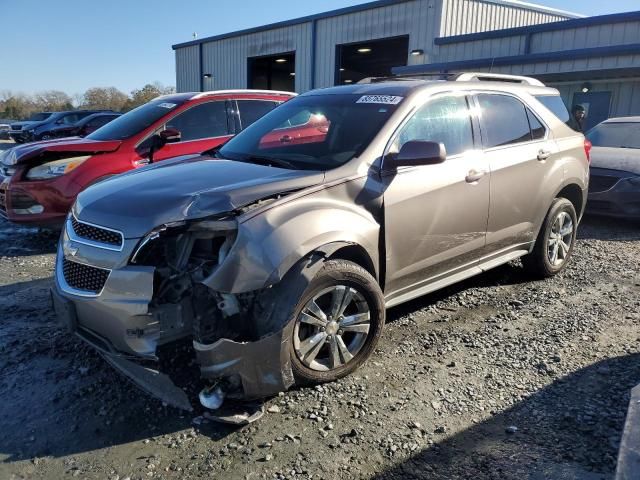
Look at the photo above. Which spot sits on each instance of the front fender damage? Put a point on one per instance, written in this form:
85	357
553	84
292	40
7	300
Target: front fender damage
240	341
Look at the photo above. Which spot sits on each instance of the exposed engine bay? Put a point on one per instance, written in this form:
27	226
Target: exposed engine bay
237	357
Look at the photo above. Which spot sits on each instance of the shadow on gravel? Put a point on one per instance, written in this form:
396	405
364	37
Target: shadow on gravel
60	398
604	228
509	274
20	241
571	428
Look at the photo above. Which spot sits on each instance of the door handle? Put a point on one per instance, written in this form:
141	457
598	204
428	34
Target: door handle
475	175
543	154
285	139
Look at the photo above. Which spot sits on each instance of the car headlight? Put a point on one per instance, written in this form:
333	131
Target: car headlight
55	168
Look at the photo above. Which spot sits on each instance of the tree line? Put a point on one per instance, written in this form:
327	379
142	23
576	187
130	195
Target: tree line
19	106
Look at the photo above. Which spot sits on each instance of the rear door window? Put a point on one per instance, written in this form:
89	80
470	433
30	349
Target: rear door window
444	120
504	120
252	110
202	121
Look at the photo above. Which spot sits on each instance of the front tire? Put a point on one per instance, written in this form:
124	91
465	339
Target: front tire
555	242
338	321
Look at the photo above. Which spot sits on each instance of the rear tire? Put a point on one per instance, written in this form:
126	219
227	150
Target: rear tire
554	245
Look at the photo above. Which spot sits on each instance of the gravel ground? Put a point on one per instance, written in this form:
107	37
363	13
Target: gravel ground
495	378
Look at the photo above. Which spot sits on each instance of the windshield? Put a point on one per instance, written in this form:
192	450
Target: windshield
617	135
316	132
134	121
38	117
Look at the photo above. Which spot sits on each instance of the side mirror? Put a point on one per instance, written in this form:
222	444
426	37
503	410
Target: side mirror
416	153
170	135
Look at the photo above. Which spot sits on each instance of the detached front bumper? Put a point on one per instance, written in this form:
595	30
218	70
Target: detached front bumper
120	324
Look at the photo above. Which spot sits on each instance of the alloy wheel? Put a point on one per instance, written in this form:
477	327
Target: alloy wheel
560	239
332	328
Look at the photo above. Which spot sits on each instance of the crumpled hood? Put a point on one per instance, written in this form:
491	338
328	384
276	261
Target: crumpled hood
28	151
184	188
625	159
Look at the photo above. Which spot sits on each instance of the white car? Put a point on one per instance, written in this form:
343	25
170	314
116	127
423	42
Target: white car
4	131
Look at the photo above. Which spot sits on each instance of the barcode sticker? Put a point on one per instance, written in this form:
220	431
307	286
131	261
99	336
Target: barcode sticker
380	99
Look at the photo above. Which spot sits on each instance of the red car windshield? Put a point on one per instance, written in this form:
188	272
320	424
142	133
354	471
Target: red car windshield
135	121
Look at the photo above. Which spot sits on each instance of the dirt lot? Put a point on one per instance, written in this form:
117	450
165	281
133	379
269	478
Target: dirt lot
496	378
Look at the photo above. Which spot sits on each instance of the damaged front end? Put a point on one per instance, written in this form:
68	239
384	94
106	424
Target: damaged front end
237	356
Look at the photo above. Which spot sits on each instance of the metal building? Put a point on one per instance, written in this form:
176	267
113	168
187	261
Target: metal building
594	61
344	45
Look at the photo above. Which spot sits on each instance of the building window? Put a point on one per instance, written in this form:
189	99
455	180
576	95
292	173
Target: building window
274	72
374	58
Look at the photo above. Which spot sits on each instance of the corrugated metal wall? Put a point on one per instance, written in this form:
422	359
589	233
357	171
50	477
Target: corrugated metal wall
470	16
419	19
553	41
227	62
625	95
422	20
188	69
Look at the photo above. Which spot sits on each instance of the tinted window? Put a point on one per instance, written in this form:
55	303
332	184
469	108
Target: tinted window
445	120
99	121
70	119
135	121
202	121
252	110
504	120
38	117
614	134
537	129
343	128
556	105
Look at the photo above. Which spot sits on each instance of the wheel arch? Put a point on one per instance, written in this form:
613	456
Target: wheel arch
575	195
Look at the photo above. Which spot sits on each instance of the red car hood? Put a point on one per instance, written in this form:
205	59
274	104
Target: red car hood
23	153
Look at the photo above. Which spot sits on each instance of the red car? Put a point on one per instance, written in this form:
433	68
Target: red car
40	181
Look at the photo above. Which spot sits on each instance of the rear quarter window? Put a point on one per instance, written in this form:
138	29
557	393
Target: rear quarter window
556	105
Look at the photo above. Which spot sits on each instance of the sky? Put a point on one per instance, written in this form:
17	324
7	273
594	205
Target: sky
72	45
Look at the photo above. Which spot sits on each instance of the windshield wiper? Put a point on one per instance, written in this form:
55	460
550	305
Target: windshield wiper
269	161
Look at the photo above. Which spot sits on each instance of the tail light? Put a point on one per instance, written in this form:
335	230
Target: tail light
587	149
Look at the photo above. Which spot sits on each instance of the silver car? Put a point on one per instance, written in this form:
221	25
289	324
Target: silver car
614	189
276	255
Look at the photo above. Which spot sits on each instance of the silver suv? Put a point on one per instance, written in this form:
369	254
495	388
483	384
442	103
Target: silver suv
276	255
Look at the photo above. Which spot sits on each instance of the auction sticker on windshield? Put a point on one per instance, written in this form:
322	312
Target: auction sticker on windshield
380	99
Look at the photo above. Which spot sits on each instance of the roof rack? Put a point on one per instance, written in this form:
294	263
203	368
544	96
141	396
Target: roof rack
406	77
495	77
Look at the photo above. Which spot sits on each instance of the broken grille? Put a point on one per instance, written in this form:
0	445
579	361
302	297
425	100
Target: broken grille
96	234
84	277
